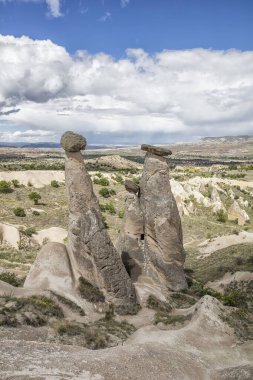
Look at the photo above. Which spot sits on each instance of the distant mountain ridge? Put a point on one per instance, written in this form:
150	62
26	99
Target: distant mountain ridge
227	139
50	145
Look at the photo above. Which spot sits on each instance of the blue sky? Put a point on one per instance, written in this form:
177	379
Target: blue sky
153	25
125	70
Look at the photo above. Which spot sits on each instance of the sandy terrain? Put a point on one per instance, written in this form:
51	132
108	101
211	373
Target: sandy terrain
38	178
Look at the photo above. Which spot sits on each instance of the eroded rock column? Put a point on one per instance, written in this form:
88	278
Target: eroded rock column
163	240
91	251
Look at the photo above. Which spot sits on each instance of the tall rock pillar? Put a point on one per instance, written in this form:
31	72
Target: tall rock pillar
91	251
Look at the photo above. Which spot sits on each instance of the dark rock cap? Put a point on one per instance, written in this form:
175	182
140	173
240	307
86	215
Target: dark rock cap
158	150
73	142
131	186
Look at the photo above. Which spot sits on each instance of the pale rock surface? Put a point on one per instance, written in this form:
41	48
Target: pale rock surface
38	178
9	235
221	284
236	213
52	234
51	270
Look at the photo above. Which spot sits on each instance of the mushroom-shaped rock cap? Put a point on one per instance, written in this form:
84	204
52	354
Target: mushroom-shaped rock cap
131	186
73	142
158	150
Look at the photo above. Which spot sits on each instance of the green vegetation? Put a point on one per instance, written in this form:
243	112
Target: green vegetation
34	311
12	279
102	181
158	305
90	292
121	214
106	193
5	187
15	183
29	231
118	178
20	212
34	196
221	216
108	207
72	305
55	184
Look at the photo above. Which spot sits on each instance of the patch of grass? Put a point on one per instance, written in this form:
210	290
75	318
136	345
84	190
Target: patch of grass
12	279
167	319
241	321
35	311
29	231
20	212
127	309
158	305
72	305
90	292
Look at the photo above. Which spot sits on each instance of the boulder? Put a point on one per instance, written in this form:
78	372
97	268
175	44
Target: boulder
132	187
157	150
91	251
236	213
72	142
51	270
9	235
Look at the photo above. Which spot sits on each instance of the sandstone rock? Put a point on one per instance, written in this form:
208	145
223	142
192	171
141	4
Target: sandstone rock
91	251
51	270
72	142
9	235
52	234
236	213
159	151
131	187
151	242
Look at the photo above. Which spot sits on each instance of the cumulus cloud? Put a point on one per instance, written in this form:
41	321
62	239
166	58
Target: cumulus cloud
142	97
27	136
54	6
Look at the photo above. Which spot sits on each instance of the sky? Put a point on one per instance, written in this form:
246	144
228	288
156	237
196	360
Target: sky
125	71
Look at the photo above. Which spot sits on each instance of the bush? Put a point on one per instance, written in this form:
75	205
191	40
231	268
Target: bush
11	279
90	292
121	214
101	181
29	231
108	207
15	183
5	187
20	212
118	178
36	213
34	196
106	193
55	184
221	216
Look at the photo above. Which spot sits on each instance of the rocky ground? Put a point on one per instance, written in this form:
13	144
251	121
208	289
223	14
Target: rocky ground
204	333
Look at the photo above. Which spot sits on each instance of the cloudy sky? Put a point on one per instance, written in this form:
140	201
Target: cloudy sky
125	71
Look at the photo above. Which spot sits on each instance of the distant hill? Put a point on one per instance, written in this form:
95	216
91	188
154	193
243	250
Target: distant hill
49	145
227	139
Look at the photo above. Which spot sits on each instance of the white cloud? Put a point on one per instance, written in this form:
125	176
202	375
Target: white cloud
54	6
141	97
124	3
105	17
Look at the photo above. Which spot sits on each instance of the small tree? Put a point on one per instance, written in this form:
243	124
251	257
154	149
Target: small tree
34	196
15	183
221	216
104	192
20	212
5	187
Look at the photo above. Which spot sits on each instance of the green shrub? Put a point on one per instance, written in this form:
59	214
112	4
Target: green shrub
29	231
11	278
108	207
15	183
121	214
101	181
221	216
55	184
90	292
34	196
20	212
118	178
158	305
5	187
104	192
36	213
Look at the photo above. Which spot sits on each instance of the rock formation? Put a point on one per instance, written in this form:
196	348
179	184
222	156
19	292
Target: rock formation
236	213
91	251
151	242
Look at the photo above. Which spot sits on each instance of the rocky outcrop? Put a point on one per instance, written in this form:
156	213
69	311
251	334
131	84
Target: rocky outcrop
151	242
51	270
9	235
236	213
91	251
